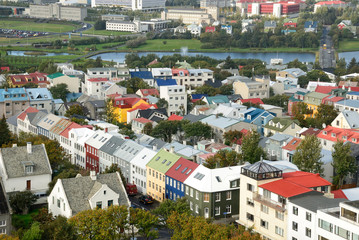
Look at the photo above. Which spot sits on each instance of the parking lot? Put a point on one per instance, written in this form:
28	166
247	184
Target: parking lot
12	33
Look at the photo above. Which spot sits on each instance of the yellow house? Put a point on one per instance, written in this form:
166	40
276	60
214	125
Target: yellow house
313	100
156	173
123	105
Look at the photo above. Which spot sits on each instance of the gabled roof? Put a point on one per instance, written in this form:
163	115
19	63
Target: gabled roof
112	145
285	188
217	99
143	157
151	91
306	179
148	113
174	117
79	190
292	144
181	170
60	126
39	94
334	134
35	118
65	133
143	106
163	161
141	74
349	103
352	194
128	150
218	121
325	89
142	120
261	167
23	115
310	131
198	96
330	3
284	122
194	118
36	78
352	118
13	94
48	121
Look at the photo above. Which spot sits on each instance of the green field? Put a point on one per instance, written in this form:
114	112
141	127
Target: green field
31	25
48	38
105	32
348	45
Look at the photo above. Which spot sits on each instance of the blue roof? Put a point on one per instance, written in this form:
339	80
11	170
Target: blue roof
13	94
217	99
198	96
165	82
58	101
311	24
72	96
353	93
39	94
254	114
142	74
349	103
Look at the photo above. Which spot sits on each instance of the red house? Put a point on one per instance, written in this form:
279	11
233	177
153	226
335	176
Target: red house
210	29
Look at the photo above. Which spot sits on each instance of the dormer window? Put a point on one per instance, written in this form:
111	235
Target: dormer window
354	140
28	167
325	132
333	135
344	137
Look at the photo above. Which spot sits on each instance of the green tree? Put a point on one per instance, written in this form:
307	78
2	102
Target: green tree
226	89
299	111
59	91
343	162
100	25
233	137
20	202
111	114
147	129
197	131
34	233
251	151
5	134
223	158
145	222
75	109
133	84
165	130
325	115
80	121
162	103
308	156
297	64
278	100
30	85
167	207
71	173
206	89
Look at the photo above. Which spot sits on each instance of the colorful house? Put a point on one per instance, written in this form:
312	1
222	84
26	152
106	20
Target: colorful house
210	29
293	100
313	100
156	173
19	80
176	176
124	104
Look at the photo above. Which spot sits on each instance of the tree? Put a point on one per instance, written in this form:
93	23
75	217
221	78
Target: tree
299	110
20	202
34	233
30	85
308	156
128	132
145	223
5	134
80	121
226	89
100	25
133	84
75	109
167	207
223	158
206	89
233	137
343	162
297	64
325	115
111	114
59	91
251	151
71	173
197	131
165	130
147	129
278	100
162	103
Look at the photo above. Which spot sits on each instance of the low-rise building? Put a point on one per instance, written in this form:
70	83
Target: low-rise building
347	104
330	4
13	101
291	73
106	152
282	125
190	15
73	83
274	146
252	88
41	99
313	101
330	135
346	120
58	11
5	214
78	136
19	80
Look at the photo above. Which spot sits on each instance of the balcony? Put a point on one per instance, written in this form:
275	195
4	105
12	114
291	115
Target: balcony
269	202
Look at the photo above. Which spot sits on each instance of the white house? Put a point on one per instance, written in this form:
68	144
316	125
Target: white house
93	86
138	168
79	136
28	119
346	120
107	158
111	88
73	195
25	168
231	110
109	73
176	97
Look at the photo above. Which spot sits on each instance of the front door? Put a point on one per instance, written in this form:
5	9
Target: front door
206	212
28	185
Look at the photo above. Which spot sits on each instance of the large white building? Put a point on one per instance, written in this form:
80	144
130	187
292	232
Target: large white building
144	5
58	11
176	97
189	15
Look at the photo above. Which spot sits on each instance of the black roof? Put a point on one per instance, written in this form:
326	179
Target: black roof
215	84
314	201
148	112
261	167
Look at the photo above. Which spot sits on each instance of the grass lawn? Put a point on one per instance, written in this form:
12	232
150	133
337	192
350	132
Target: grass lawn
27	219
49	38
31	25
349	45
105	32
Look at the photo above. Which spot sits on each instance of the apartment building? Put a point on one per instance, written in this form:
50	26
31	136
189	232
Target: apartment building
176	97
58	11
41	99
252	88
92	147
192	77
122	26
79	136
106	152
110	73
13	101
190	15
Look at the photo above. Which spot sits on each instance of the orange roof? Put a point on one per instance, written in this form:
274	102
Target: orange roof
143	106
333	134
285	188
306	179
22	116
330	3
292	145
175	117
252	100
142	120
151	91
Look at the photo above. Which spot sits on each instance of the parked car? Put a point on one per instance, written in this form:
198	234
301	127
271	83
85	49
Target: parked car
146	199
131	189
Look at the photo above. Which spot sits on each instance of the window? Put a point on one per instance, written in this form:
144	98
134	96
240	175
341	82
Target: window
355	236
279	215
191	206
228	209
250	217
308	232
58	203
2	231
197	195
308	216
279	231
109	203
325	225
197	208
266	193
250	187
187	190
98	204
295	226
217	211
205	197
191	191
234	184
264	208
250	202
264	224
218	197
229	195
342	232
295	211
3	223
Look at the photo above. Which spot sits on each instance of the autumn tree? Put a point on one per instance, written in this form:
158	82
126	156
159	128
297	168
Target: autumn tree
167	207
75	109
223	158
145	222
111	114
299	110
325	115
162	103
233	137
197	131
5	134
251	151
308	156
343	162
20	202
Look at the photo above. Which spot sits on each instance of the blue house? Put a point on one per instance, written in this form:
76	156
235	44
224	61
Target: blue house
145	75
13	101
310	26
175	177
164	82
257	117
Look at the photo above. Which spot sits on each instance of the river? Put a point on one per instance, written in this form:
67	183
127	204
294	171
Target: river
49	54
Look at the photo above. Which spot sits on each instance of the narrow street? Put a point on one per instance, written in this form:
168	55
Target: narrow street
326	53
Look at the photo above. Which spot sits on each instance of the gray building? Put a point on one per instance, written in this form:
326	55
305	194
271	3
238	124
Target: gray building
274	145
107	150
5	217
58	11
95	109
117	17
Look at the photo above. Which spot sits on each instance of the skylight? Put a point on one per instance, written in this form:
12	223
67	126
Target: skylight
189	171
218	179
184	169
199	176
168	163
178	167
144	156
164	161
158	158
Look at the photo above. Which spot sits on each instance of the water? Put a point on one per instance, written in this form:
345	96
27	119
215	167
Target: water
22	53
266	57
349	55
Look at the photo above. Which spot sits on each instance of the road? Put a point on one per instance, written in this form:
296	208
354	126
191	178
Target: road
326	56
134	201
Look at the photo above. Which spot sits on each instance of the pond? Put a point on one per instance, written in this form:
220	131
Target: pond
29	53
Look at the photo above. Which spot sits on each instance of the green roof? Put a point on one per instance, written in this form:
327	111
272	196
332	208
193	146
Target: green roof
293	20
55	75
284	122
163	161
314	98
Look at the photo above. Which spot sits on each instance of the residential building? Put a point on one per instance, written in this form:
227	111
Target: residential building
122	26
176	176
311	26
352	95
25	168
58	128
106	152
5	214
252	88
330	135
189	15
109	73
289	149
73	195
13	101
192	77
19	80
28	120
293	100
111	88
58	11
230	111
216	100
282	125
93	87
40	98
73	83
46	123
227	28
65	141
313	101
256	116
78	136
214	193
148	92
160	82
330	4
155	115
346	120
138	124
156	173
294	73
144	74
312	85
176	97
95	109
276	9
347	104
138	169
274	146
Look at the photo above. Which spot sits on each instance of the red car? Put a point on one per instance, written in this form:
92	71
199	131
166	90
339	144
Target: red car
131	189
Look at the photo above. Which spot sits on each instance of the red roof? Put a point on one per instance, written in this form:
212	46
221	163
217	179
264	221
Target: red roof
153	62
178	70
292	145
331	99
310	131
182	169
65	133
4	68
210	29
285	188
339	194
142	120
97	80
125	102
252	100
333	134
330	3
143	106
22	116
325	89
36	78
151	91
306	179
175	117
206	155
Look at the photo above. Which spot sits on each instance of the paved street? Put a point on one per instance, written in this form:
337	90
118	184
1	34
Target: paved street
134	201
326	54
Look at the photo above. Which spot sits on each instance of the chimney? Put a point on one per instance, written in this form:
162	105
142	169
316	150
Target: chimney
212	140
29	147
93	175
14	145
154	147
184	142
195	147
172	149
106	130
